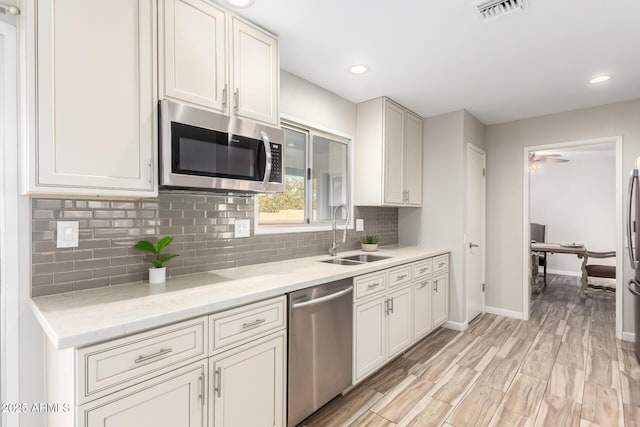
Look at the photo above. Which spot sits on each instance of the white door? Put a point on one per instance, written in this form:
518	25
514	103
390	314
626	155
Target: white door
96	98
475	231
255	74
421	308
439	300
193	44
175	399
248	385
399	321
413	160
369	337
393	158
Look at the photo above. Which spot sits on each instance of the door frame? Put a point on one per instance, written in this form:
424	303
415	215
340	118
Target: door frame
471	147
526	290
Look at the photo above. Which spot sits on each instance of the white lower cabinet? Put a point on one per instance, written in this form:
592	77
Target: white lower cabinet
421	308
382	330
369	339
440	300
399	319
174	399
247	384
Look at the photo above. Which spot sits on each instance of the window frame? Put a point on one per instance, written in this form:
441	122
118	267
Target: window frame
311	130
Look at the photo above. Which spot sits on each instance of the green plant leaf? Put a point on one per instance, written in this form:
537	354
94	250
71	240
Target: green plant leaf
156	263
164	242
145	246
167	258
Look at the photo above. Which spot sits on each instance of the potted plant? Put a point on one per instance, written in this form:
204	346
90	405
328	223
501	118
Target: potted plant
157	273
369	243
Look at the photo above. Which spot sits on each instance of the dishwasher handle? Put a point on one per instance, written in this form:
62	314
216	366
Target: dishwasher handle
323	299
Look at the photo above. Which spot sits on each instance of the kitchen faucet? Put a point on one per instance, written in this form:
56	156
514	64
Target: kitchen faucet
333	250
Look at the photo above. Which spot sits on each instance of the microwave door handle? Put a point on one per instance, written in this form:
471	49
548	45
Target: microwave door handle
633	179
267	167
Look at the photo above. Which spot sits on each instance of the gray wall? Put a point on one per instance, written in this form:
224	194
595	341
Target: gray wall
505	145
440	222
202	226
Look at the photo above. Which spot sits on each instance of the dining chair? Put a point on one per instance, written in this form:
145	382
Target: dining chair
597	270
538	234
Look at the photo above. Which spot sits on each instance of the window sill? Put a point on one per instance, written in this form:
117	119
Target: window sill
284	229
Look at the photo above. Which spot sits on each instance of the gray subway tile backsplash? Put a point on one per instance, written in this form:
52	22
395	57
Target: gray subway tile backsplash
202	226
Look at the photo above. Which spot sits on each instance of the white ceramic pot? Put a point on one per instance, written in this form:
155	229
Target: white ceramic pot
369	247
157	275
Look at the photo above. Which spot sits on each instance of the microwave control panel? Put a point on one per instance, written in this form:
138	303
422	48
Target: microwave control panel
276	163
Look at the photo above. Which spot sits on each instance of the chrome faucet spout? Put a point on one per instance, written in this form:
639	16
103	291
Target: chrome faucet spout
333	250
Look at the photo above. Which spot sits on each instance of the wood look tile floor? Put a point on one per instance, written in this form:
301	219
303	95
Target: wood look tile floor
563	367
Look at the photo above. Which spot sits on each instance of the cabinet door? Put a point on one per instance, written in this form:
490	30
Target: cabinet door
413	160
174	399
421	308
393	158
399	321
193	45
255	72
248	384
95	98
369	344
440	300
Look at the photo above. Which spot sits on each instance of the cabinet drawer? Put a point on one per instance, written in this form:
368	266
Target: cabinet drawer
399	276
249	321
422	269
441	264
369	284
126	361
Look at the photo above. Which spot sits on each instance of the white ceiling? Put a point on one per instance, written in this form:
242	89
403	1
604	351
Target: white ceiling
436	56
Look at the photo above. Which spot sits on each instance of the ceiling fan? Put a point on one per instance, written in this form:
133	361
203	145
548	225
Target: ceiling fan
546	158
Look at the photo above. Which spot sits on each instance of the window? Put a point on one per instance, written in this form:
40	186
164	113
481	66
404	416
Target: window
317	179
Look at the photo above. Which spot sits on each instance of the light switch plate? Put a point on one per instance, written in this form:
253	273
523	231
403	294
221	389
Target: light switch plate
242	228
359	224
68	232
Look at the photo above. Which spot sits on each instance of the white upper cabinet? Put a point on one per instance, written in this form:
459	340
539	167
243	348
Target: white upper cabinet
215	60
91	98
193	49
255	72
388	155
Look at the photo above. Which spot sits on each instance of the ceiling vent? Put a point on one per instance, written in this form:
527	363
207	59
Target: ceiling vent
494	8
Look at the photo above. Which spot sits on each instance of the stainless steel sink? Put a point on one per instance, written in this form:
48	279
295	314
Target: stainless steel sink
365	257
341	261
355	259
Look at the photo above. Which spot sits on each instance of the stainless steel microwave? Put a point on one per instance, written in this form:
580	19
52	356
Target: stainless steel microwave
203	150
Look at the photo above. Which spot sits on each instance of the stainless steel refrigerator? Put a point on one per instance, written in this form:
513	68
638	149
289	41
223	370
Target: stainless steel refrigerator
633	243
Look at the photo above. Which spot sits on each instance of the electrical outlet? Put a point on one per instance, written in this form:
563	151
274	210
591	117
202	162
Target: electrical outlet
242	228
359	224
68	232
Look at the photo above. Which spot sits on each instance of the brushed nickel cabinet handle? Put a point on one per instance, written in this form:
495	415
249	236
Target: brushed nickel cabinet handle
236	99
373	285
224	98
401	276
218	386
201	381
423	284
253	324
161	352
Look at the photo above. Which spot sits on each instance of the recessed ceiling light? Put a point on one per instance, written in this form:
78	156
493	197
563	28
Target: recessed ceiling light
239	4
600	79
358	69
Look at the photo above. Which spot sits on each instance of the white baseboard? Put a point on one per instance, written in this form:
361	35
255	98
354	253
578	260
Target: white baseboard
564	273
503	312
456	326
628	336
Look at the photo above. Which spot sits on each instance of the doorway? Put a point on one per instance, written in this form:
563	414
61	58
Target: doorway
549	159
475	225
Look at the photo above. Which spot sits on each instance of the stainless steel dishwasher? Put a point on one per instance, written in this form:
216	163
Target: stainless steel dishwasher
320	335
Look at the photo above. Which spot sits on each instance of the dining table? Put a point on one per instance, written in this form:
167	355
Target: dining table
556	248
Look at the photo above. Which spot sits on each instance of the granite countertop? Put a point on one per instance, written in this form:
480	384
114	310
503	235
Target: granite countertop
78	319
